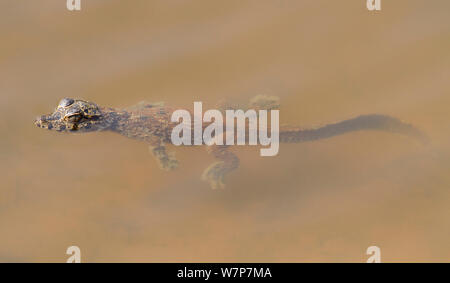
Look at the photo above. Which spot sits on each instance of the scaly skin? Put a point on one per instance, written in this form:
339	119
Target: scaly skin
151	123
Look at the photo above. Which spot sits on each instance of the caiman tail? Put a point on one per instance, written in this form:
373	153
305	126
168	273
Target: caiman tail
373	122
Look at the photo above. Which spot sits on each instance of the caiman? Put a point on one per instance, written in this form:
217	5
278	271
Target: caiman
151	123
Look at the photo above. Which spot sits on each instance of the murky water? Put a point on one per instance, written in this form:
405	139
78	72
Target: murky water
322	201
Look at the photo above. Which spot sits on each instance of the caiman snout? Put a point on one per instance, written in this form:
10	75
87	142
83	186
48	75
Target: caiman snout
45	121
41	121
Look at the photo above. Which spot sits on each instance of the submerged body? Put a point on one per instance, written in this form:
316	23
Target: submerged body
151	123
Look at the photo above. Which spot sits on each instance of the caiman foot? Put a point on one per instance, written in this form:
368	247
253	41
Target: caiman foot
214	175
166	161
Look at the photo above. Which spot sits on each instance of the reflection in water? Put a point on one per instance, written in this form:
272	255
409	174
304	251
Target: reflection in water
321	201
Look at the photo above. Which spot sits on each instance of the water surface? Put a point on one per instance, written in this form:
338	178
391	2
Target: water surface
322	201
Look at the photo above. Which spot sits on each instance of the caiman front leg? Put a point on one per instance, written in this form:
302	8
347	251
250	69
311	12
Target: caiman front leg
166	160
216	172
228	161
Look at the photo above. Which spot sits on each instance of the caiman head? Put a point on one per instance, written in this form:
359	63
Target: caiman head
73	115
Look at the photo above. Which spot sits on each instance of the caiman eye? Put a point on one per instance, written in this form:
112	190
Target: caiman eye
65	102
73	118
